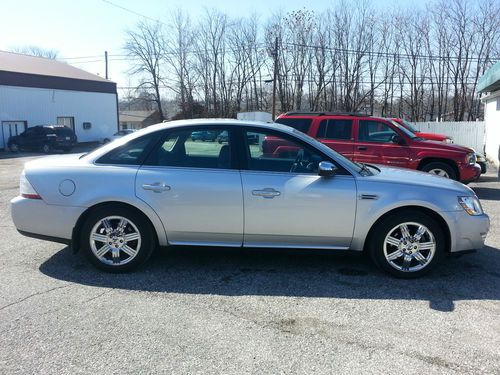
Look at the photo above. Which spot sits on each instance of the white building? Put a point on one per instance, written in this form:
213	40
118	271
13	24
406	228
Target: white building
39	91
490	84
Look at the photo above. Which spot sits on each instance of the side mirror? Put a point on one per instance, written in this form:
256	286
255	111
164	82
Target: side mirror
326	169
397	139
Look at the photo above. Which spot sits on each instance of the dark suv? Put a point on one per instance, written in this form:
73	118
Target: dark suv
45	138
367	139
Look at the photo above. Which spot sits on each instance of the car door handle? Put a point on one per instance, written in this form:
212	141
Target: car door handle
362	148
266	193
157	187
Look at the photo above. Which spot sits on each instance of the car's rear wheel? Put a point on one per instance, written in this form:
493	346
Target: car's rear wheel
407	244
440	169
13	147
117	239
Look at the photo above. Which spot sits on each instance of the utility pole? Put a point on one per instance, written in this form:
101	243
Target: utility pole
106	62
275	77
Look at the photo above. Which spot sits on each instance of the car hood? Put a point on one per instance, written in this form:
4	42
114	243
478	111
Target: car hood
425	143
409	177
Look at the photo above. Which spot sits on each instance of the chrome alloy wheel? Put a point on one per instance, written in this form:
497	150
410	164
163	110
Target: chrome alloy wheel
439	172
409	247
115	240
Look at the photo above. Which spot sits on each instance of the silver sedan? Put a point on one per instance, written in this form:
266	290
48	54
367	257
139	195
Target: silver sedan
263	185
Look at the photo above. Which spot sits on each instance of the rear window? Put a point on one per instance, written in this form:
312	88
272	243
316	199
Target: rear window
62	131
131	153
300	124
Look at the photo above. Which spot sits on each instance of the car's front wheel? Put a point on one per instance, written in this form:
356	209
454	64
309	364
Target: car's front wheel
407	244
440	169
117	239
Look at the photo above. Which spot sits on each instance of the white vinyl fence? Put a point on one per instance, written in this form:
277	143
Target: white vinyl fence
467	133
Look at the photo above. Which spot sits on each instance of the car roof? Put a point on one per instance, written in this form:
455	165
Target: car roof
328	115
216	122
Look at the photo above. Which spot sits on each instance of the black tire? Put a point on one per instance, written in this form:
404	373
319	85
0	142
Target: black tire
46	148
382	229
483	167
145	247
437	165
14	147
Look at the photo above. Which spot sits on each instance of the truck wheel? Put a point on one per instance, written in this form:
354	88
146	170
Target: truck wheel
440	169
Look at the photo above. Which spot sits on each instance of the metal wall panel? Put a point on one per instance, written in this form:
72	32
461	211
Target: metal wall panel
43	106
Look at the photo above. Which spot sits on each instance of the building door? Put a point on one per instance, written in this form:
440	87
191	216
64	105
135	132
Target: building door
9	129
67	121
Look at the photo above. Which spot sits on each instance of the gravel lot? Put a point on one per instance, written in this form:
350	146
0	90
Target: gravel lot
238	312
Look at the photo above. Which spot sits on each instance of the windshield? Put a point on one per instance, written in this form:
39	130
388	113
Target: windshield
408	126
409	133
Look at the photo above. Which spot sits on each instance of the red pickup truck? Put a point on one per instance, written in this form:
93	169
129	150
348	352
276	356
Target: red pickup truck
375	140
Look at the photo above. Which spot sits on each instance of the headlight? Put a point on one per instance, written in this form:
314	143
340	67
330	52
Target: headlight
471	205
471	158
448	140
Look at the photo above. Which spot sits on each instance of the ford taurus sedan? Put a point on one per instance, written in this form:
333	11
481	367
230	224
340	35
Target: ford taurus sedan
157	187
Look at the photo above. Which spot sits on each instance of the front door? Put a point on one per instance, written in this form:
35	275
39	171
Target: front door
195	189
375	145
9	129
288	205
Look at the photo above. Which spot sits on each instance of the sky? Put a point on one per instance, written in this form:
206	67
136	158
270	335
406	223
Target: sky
81	30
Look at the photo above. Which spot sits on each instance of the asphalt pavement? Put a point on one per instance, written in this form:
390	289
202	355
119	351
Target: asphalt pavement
214	311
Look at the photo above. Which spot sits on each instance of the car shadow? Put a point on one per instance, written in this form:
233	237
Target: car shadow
287	273
489	178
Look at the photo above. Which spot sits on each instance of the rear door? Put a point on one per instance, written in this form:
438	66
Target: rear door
375	145
195	187
338	135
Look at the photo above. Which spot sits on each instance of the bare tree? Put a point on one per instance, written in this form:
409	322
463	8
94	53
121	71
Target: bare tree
37	51
145	45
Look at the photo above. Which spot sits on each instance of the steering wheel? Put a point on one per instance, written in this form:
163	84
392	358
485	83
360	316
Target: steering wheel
298	161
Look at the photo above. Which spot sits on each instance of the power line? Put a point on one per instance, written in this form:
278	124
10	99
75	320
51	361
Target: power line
388	54
133	12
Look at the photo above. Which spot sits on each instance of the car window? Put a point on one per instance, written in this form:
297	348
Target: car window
268	152
335	129
375	131
131	153
193	148
300	124
63	131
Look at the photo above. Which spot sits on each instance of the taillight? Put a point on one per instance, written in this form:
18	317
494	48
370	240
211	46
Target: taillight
26	190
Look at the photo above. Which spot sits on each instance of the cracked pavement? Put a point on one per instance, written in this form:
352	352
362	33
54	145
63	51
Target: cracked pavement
191	311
